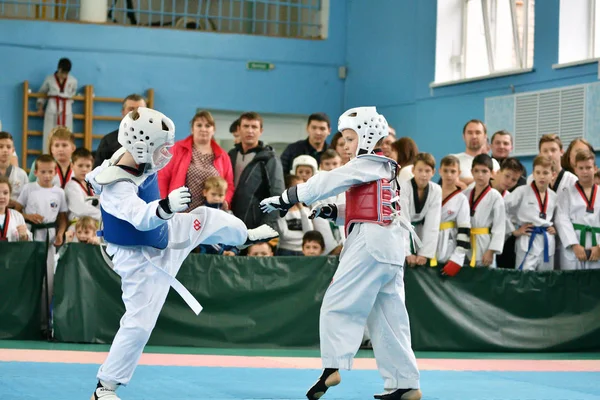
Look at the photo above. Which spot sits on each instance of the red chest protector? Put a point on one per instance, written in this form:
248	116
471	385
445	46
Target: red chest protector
370	202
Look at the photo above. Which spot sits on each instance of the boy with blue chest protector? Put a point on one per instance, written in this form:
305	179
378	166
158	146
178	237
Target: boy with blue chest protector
148	237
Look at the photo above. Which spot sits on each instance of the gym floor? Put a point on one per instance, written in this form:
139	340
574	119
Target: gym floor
59	371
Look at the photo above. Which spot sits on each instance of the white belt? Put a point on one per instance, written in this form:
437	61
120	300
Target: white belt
185	294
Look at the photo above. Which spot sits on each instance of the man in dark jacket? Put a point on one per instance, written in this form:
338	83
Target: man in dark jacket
257	173
318	128
109	144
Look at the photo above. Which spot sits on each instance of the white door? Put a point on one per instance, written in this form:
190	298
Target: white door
278	129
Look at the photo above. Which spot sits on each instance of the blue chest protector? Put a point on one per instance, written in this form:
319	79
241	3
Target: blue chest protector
122	233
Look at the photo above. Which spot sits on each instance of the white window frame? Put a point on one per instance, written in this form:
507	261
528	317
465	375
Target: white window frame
579	33
451	41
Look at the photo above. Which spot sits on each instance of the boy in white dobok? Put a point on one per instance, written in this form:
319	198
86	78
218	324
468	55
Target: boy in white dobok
58	110
423	201
531	207
488	215
455	224
367	288
149	238
578	217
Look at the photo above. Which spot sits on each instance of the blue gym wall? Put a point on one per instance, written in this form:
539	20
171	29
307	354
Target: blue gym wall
387	45
187	69
391	62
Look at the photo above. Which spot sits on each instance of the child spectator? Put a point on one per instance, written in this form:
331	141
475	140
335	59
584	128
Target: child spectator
60	88
404	151
333	234
531	207
313	243
330	159
506	180
455	223
85	231
45	208
568	159
578	217
508	176
62	146
215	189
12	223
293	226
488	215
81	199
304	167
260	250
44	205
551	146
423	200
15	175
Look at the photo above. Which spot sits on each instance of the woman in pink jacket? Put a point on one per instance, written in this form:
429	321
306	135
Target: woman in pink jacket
195	159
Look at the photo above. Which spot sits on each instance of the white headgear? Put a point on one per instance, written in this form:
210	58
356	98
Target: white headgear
368	124
148	134
304	160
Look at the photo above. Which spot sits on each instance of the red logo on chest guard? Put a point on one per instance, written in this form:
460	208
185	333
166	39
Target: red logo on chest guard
197	225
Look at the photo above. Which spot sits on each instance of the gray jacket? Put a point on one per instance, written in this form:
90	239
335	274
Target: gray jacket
262	178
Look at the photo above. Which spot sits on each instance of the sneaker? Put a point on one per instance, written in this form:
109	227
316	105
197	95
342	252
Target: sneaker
104	393
263	233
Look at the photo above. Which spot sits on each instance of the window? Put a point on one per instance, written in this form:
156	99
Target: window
477	38
281	18
579	31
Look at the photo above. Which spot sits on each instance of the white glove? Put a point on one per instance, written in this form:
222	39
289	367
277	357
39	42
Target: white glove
270	204
180	199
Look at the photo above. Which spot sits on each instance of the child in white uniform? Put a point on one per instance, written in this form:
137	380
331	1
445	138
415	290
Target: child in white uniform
424	200
12	223
578	217
532	207
81	199
455	223
488	215
368	287
149	237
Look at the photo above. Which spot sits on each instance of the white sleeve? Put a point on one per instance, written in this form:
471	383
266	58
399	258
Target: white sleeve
63	202
331	183
282	227
77	204
562	220
307	224
512	202
71	90
19	220
431	225
44	89
405	214
121	200
498	225
23	196
463	217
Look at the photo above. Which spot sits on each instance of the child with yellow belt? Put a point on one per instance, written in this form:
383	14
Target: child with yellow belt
488	216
